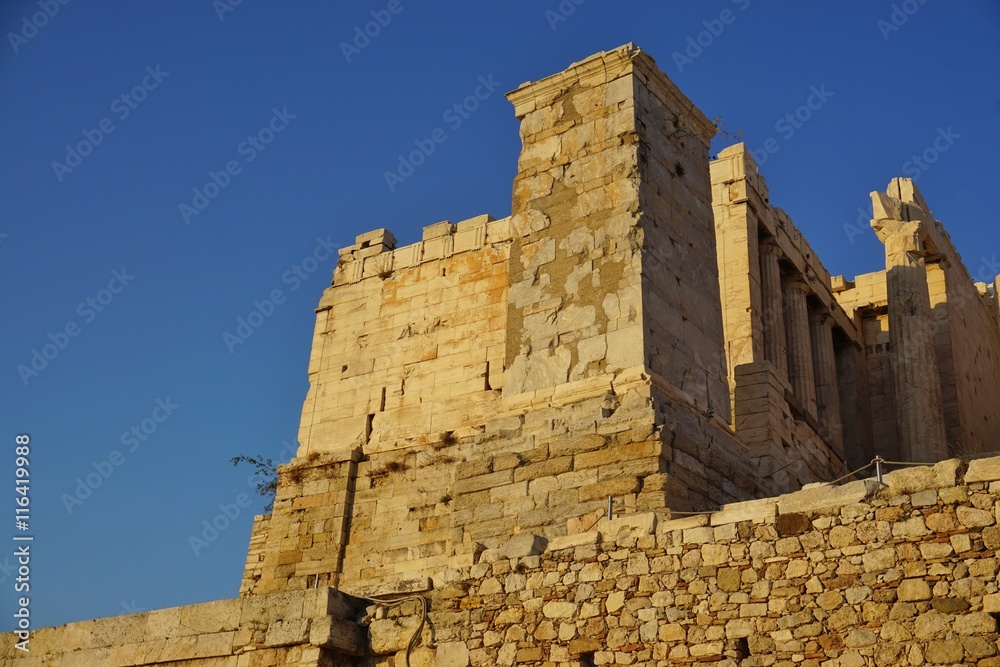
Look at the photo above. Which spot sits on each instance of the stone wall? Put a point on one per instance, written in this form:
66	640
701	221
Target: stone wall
861	574
408	341
389	520
303	629
865	296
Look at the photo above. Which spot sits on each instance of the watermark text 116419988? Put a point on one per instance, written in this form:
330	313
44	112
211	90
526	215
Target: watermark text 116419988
22	541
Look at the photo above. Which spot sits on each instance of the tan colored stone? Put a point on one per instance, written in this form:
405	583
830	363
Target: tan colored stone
974	518
913	590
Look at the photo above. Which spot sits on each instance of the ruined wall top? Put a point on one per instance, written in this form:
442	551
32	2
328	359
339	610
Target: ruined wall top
608	66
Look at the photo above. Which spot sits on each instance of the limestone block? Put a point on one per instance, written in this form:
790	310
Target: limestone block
751	510
826	497
918	478
635	525
913	590
376	237
338	634
559	609
974	518
572	541
525	544
397	586
683	524
983	470
389	636
437	230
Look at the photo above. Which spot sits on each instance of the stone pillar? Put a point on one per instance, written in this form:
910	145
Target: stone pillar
919	409
775	349
800	358
827	389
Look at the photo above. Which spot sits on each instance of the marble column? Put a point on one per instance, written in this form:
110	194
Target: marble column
827	389
919	406
800	358
774	320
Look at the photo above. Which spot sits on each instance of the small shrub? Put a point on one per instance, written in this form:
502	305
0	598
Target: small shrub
447	439
396	466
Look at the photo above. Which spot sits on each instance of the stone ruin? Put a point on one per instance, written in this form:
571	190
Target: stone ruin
644	334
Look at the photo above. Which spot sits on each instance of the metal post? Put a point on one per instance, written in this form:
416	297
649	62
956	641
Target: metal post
611	508
878	468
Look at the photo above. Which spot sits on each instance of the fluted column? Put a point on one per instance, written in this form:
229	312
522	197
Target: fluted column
919	406
827	389
800	358
775	349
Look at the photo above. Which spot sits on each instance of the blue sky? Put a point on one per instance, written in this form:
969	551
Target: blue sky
287	135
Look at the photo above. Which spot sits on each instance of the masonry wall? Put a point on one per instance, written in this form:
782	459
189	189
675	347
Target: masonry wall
408	341
865	296
862	574
303	629
968	353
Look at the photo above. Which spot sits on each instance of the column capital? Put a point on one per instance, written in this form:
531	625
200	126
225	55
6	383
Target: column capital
770	247
821	316
796	283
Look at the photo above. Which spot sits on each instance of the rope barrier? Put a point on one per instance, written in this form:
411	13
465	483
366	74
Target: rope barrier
851	474
877	462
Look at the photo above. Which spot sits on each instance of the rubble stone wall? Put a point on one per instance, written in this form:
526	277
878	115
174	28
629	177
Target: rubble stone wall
860	574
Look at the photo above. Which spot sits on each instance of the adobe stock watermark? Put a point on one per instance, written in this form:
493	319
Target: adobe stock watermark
914	168
562	12
988	271
792	122
87	310
122	107
860	226
364	34
30	25
248	149
264	308
921	162
212	528
223	7
454	117
130	607
698	43
898	16
131	440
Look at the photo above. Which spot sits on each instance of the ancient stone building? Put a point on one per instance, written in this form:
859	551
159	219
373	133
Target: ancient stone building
644	333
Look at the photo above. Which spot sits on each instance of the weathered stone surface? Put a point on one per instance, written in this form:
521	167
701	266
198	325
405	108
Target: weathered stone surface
983	470
792	524
913	590
525	544
825	497
974	518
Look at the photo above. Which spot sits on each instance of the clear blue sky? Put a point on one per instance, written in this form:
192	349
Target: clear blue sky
154	332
